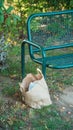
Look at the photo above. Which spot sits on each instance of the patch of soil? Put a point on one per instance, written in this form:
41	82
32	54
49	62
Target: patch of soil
67	96
64	101
6	81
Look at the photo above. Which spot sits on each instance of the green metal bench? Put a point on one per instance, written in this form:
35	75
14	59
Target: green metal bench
50	40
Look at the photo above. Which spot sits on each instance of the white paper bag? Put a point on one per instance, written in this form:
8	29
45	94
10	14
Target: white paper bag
37	94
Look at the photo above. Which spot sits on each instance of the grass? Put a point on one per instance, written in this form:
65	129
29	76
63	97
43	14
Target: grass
45	119
14	114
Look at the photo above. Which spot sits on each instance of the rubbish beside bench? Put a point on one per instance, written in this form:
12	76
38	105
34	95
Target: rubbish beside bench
50	40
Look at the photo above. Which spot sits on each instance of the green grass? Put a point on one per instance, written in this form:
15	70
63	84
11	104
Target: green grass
13	61
14	115
10	90
47	118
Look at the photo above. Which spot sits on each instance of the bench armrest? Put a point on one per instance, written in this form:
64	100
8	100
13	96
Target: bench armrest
34	45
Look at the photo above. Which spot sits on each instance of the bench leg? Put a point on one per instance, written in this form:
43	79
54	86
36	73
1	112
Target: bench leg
44	70
23	60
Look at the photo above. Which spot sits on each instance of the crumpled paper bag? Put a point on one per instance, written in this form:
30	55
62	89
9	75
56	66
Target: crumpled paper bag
35	91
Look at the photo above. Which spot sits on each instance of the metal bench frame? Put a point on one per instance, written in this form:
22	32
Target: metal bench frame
54	61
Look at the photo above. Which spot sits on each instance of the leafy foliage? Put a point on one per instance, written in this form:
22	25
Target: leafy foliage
6	16
8	19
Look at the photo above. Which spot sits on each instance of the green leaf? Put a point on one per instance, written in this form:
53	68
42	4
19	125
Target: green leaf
16	17
10	9
1	12
1	18
1	3
8	21
15	21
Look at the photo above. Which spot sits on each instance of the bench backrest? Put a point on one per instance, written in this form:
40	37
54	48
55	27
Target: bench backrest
51	28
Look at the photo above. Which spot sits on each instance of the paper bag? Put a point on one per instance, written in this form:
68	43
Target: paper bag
36	93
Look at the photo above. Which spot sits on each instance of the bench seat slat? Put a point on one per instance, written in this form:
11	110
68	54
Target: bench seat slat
58	62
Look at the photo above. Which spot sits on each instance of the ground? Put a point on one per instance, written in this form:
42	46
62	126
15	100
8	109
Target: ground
62	100
15	115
